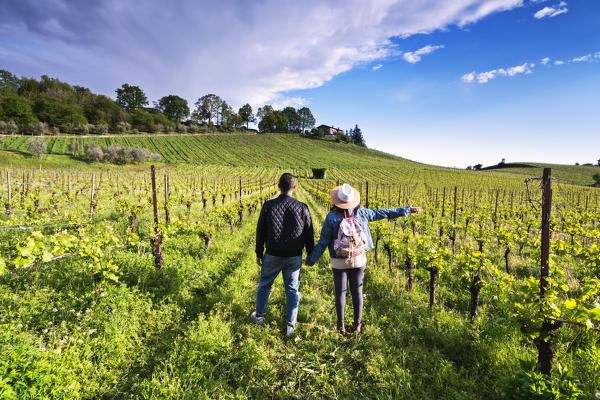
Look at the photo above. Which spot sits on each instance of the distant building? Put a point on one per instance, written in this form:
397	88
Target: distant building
329	131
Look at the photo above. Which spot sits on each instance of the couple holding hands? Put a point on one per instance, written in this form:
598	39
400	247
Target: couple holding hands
285	229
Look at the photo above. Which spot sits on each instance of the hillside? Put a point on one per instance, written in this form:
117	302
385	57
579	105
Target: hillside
270	150
276	152
577	174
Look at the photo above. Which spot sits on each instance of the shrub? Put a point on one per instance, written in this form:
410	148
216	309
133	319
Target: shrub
596	177
193	128
319	173
99	129
93	152
9	127
34	128
37	147
117	155
74	147
83	129
123	126
343	138
181	128
68	128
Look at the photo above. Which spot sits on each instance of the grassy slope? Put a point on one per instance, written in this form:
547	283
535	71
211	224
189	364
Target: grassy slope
284	151
565	173
273	150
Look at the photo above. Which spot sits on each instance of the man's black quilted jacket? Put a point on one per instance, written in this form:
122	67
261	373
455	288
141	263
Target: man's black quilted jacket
284	227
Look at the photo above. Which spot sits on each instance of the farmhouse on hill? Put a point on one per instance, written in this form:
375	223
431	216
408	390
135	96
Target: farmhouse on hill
329	131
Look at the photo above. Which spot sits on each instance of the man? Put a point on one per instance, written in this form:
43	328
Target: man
284	228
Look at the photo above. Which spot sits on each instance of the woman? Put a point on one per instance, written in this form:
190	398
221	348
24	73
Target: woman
349	265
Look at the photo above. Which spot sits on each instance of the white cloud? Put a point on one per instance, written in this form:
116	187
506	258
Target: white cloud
559	62
551	12
545	60
587	58
415	56
470	77
268	48
376	67
484	77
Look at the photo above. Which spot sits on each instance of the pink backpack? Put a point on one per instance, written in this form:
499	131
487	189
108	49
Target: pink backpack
351	240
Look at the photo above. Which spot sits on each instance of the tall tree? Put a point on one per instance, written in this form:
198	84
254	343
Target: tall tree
280	121
246	114
8	81
307	121
174	107
207	108
293	119
131	97
357	136
264	111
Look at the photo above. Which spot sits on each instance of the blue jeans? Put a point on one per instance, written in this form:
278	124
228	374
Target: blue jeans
290	269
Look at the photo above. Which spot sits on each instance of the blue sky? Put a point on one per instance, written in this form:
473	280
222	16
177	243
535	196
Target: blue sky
450	83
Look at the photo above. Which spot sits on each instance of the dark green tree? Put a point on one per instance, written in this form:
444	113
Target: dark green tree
102	109
131	97
143	121
280	121
264	111
8	81
29	88
174	107
18	109
83	95
245	112
225	111
293	119
357	136
307	121
57	113
207	108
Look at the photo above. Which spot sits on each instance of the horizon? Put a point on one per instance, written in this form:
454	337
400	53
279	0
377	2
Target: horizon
443	84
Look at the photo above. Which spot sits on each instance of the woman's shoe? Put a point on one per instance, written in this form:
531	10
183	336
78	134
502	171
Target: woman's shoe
357	327
341	328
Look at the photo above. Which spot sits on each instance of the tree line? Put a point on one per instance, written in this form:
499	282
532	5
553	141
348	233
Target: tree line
50	106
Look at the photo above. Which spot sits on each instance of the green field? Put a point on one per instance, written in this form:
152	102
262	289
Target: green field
577	174
86	314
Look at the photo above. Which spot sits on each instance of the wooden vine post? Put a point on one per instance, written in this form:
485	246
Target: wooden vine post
9	199
544	342
454	223
92	208
167	213
156	241
367	195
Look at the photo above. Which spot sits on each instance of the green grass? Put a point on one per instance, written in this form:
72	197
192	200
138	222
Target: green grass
271	150
184	332
576	174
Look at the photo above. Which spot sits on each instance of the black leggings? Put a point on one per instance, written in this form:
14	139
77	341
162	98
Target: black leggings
340	281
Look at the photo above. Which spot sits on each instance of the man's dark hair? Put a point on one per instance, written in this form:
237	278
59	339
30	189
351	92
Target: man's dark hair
286	182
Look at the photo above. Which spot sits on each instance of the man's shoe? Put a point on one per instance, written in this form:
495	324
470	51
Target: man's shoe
258	320
290	330
341	328
356	328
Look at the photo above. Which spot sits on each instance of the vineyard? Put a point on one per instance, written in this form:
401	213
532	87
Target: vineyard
139	282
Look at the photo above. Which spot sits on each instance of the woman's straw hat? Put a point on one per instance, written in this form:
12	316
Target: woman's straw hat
345	197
